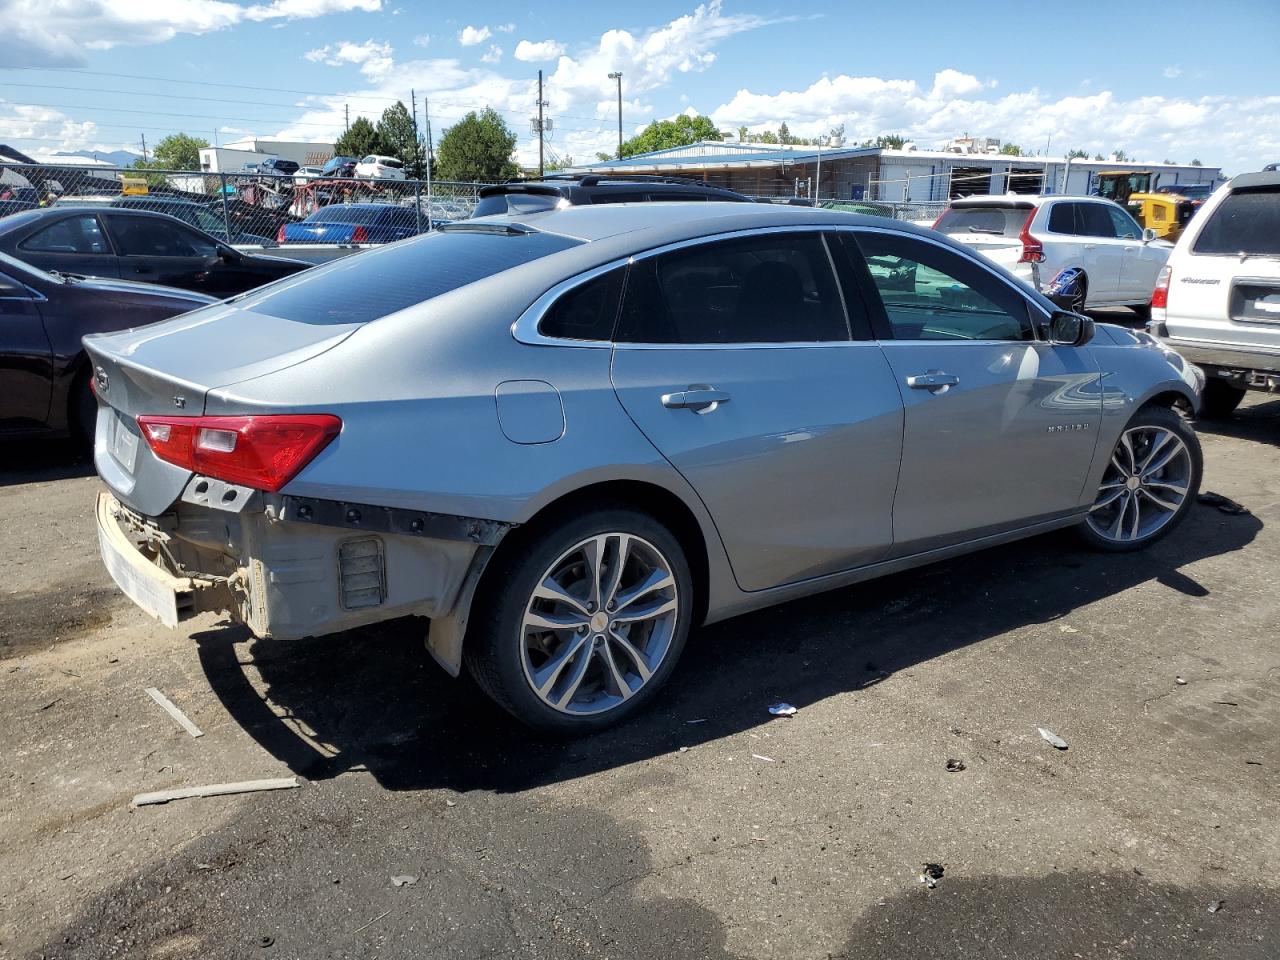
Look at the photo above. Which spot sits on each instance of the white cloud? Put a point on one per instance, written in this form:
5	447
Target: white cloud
530	51
470	36
422	40
39	33
506	28
1171	73
493	55
374	59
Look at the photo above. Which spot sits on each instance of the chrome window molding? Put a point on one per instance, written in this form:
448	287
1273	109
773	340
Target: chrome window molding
526	330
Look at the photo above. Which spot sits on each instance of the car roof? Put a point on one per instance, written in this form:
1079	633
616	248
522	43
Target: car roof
362	206
1247	180
1024	201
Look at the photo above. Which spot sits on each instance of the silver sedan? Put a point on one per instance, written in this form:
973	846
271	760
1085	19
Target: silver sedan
566	438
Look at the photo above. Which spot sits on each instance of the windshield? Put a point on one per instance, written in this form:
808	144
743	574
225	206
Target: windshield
23	271
991	221
372	285
1246	223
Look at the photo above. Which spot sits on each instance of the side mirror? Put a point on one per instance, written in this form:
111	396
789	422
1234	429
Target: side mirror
229	255
1149	234
1068	329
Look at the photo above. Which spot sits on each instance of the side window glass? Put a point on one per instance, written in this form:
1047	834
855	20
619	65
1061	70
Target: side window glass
10	289
139	237
1095	222
588	311
776	288
1062	218
72	235
1125	226
932	294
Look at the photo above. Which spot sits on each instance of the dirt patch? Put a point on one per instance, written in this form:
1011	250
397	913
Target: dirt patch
35	621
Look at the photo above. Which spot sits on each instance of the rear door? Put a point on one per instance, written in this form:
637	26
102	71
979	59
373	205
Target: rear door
1142	261
1225	273
1101	251
735	358
26	358
75	243
999	429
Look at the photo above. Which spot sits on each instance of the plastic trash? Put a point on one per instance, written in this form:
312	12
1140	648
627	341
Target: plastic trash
1224	504
781	709
955	766
931	874
1052	738
407	880
1217	905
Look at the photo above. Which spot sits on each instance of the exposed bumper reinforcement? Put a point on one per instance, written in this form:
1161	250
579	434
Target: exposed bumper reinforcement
167	598
410	523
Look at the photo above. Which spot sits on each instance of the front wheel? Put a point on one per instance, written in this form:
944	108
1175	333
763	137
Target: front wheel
1149	484
580	623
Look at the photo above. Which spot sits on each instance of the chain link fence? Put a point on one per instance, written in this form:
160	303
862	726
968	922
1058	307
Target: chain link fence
928	210
239	208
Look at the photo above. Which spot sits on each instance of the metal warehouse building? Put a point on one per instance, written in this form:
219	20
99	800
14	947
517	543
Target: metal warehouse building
877	173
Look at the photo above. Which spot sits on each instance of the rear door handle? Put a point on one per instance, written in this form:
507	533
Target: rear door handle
933	380
698	398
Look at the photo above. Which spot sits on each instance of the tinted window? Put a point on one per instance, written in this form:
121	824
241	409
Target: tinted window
933	294
375	284
145	237
1062	218
1094	220
1125	226
343	213
992	221
516	203
618	196
586	312
1247	221
72	235
391	162
668	197
767	289
11	288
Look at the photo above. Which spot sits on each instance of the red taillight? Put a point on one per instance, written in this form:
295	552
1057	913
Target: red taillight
263	452
1032	249
280	234
359	235
1160	296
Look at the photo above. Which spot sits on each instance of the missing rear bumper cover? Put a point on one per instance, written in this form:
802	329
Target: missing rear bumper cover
412	523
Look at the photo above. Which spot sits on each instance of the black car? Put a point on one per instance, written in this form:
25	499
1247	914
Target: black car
136	245
273	166
202	216
529	196
44	372
339	167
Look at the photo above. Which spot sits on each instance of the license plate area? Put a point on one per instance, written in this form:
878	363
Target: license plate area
124	443
1255	301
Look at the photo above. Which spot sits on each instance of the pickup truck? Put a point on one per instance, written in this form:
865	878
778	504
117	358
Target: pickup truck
355	223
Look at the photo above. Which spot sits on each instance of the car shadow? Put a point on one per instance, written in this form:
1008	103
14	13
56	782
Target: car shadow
373	699
36	460
1256	420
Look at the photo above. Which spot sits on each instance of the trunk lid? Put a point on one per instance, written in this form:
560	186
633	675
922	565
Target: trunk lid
200	351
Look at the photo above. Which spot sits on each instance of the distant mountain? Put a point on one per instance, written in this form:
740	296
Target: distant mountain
119	158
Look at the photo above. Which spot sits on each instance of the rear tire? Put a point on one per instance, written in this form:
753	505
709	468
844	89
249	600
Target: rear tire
1149	485
616	585
1219	399
1142	310
83	414
1078	300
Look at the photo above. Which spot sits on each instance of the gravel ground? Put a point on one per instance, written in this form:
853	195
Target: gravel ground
765	838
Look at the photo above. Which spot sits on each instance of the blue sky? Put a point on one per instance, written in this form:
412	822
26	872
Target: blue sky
1197	80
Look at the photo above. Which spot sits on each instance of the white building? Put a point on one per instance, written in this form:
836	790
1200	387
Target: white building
232	157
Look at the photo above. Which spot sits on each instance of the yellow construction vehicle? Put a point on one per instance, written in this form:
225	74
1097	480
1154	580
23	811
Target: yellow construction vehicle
1119	185
1165	213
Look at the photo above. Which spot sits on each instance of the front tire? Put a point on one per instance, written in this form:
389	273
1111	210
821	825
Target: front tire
581	621
1149	485
1219	399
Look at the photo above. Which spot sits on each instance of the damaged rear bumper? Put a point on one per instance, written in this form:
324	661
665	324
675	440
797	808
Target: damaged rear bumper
290	568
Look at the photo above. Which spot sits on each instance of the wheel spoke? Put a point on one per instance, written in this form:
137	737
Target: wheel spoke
1179	489
1156	446
620	685
634	655
1135	502
545	678
647	611
1127	446
1163	461
1119	491
623	552
1118	523
656	580
593	555
538	620
1171	506
550	589
576	675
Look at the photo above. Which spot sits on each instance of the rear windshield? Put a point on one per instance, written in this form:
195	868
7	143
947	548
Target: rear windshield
1246	222
343	214
989	221
517	202
367	286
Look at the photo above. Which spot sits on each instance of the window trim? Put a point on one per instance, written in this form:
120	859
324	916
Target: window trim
33	295
526	327
102	229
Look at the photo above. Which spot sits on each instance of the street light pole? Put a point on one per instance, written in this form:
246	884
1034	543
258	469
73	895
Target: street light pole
618	76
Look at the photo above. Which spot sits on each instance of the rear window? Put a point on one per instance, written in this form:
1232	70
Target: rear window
344	214
504	203
991	221
1246	222
371	285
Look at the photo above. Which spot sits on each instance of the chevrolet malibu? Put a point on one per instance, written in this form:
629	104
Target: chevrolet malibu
566	438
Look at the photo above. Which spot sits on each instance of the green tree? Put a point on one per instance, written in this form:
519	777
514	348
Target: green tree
399	134
477	147
769	137
742	134
836	137
1120	156
1011	150
664	134
890	141
784	134
1077	154
1098	156
361	139
1196	163
174	152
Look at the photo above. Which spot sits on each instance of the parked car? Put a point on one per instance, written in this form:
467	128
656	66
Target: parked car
273	166
339	167
16	206
1218	299
380	168
199	215
568	437
559	190
136	245
306	173
1113	261
44	374
354	223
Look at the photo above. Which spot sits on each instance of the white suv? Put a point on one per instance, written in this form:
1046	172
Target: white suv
1084	251
375	167
1218	299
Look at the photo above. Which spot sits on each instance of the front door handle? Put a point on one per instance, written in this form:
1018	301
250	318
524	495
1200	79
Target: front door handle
698	398
935	381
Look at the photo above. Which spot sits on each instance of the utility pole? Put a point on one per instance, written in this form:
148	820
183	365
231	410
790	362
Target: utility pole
426	116
417	140
346	116
541	138
618	76
144	148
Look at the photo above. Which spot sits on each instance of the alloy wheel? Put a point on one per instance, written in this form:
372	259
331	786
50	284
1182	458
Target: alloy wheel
599	623
1145	485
